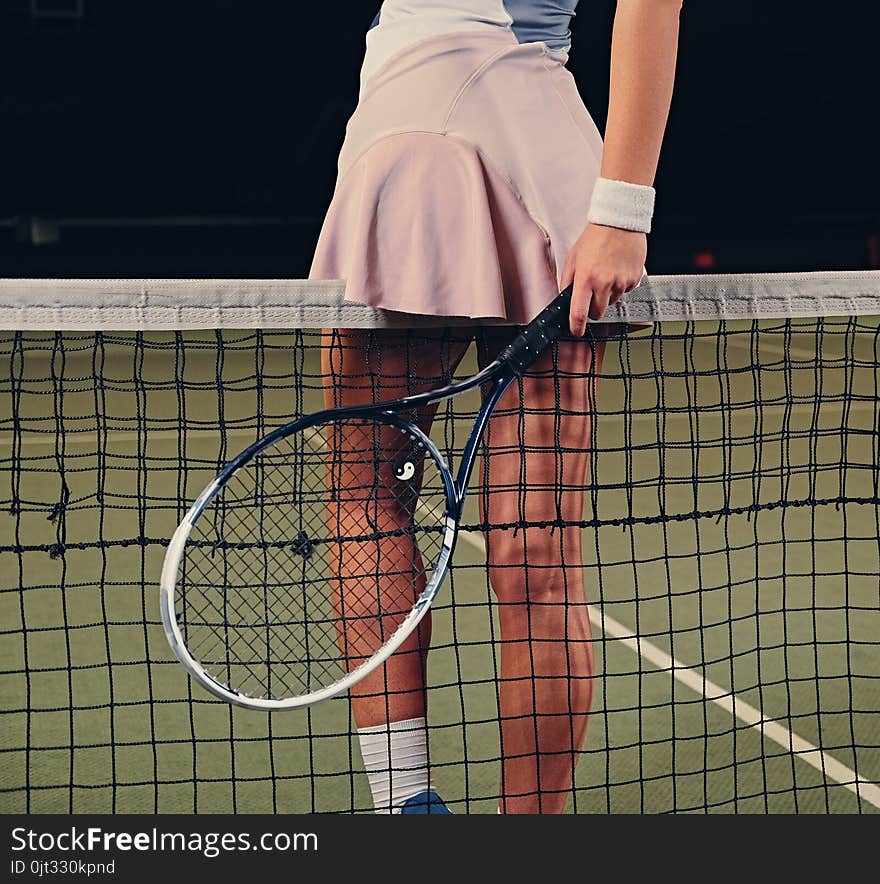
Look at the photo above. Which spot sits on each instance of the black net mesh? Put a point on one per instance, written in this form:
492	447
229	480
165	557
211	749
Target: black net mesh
711	490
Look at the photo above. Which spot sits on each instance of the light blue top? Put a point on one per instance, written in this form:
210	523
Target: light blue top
532	21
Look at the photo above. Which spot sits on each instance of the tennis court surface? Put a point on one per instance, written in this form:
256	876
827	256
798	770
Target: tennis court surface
731	540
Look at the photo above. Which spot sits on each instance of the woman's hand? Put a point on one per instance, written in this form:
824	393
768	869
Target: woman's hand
604	264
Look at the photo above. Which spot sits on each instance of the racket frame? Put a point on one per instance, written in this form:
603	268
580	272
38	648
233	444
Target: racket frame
455	489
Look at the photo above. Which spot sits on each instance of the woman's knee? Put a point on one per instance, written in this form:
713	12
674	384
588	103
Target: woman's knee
521	547
533	564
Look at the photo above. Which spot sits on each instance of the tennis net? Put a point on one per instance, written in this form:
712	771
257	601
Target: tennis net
730	547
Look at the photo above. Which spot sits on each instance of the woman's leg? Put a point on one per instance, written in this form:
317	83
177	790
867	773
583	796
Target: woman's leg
535	472
389	704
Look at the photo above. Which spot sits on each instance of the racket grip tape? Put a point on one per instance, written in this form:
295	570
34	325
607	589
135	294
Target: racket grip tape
548	326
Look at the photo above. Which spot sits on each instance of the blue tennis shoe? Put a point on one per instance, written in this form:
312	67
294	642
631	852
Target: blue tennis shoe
425	802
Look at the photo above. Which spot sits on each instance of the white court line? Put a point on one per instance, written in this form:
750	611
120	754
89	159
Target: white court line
769	728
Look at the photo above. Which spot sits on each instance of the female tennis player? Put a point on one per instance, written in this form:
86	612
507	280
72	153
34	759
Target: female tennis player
474	183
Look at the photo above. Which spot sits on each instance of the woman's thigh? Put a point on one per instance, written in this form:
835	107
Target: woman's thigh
533	476
363	366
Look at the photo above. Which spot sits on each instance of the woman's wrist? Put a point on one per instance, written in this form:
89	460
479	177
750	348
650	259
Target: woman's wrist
622	204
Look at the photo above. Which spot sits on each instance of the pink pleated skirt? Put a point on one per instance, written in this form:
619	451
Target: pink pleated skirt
464	180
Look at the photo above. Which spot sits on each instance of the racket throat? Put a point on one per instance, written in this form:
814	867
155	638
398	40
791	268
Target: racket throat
469	455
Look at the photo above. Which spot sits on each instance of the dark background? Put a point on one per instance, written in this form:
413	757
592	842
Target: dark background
193	138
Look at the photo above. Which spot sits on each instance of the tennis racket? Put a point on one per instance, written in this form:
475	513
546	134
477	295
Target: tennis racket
313	555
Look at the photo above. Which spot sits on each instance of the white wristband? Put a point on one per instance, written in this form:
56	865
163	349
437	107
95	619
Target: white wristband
621	204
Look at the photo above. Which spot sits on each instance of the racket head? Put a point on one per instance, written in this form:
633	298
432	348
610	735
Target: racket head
310	559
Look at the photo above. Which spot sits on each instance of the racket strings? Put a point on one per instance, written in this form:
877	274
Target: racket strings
311	557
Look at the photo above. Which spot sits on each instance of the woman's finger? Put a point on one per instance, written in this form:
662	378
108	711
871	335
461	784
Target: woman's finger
618	289
581	298
601	296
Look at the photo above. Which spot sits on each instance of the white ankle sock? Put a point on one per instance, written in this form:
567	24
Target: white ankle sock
396	761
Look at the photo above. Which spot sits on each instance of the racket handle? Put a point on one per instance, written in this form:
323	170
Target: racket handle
549	325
